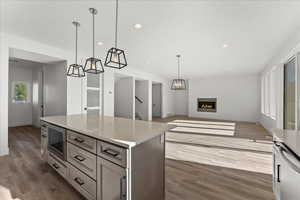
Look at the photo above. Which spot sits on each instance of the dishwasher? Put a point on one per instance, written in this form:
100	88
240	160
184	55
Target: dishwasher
286	173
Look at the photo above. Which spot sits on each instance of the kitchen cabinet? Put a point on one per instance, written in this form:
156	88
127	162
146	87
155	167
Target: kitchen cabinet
44	142
277	164
113	179
107	158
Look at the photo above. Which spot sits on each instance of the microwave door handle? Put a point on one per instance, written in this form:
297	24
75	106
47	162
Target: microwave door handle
292	161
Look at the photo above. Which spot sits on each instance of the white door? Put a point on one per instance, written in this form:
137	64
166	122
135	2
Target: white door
92	93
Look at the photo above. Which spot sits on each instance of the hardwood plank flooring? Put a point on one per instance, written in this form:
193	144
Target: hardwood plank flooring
24	176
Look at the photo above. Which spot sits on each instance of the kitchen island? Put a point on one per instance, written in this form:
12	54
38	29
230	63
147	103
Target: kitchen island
107	158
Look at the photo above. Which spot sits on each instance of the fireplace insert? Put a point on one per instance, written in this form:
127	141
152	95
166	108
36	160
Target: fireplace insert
207	105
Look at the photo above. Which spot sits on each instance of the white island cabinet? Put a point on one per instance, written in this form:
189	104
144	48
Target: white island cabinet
107	158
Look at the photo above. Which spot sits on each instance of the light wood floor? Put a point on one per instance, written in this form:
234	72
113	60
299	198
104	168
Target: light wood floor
24	176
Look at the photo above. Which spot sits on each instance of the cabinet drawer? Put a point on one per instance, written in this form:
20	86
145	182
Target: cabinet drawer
82	159
113	153
82	183
43	126
84	142
57	166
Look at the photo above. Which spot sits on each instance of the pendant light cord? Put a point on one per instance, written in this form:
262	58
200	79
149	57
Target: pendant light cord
93	35
178	66
116	25
76	44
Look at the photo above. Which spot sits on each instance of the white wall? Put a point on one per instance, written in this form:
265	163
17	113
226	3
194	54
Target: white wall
142	92
20	114
238	98
109	92
55	89
290	48
124	98
182	101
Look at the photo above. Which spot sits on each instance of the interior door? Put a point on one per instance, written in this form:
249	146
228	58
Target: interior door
113	181
92	94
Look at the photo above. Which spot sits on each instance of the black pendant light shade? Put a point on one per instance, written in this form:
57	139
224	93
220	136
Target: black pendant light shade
93	65
179	83
76	70
115	57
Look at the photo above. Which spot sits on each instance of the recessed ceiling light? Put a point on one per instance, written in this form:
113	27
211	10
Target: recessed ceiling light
225	45
138	26
100	43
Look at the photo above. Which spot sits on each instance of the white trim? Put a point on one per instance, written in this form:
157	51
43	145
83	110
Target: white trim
93	88
93	108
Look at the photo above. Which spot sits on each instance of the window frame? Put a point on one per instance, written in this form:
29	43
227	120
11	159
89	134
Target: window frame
13	94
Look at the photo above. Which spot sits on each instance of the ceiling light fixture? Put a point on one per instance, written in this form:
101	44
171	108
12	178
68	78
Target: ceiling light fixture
76	70
100	43
178	84
93	65
138	26
225	45
115	57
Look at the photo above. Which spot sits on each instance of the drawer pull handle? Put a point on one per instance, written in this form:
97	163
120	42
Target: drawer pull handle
79	158
44	135
55	166
79	181
111	152
79	140
44	126
123	188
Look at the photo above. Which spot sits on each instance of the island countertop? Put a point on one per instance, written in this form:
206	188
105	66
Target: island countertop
291	138
124	132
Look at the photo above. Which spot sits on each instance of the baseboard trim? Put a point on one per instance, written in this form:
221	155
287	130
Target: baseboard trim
4	151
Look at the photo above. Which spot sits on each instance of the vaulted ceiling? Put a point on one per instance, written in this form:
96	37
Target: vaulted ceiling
214	37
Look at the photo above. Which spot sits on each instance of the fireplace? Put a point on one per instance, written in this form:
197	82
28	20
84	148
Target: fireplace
207	105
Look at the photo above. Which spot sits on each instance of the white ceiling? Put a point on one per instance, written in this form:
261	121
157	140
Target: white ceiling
254	31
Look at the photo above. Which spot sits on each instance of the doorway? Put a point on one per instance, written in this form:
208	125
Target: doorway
37	87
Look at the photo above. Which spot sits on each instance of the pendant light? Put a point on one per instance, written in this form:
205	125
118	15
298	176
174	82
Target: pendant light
115	57
76	70
178	84
93	65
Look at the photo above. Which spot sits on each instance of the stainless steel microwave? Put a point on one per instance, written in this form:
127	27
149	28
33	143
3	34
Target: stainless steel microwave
57	141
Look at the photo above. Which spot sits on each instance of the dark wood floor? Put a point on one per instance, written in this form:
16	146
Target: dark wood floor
24	176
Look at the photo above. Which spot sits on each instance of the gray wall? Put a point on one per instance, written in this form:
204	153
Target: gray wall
124	98
238	97
142	92
55	89
20	114
156	100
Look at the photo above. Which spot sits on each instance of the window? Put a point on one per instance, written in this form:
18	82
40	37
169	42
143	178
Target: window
263	95
267	94
273	93
20	92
